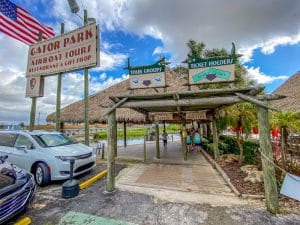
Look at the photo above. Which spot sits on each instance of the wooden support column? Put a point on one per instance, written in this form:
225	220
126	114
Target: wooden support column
271	193
125	137
215	138
86	96
33	102
58	92
145	156
164	125
183	140
111	149
157	140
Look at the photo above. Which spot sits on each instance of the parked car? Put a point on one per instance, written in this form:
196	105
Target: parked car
46	154
17	188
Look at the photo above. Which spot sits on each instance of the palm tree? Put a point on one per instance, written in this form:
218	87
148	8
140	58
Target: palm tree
241	116
286	121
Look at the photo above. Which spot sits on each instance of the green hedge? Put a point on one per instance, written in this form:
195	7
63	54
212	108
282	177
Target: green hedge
228	145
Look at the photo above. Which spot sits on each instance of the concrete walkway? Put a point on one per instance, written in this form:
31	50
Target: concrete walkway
173	179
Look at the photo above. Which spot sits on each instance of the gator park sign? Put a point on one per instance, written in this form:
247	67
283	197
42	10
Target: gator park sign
214	70
149	76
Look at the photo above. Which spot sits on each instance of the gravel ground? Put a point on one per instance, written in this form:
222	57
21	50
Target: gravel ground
48	208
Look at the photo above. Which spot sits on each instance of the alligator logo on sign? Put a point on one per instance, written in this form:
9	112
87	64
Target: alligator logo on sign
211	74
32	83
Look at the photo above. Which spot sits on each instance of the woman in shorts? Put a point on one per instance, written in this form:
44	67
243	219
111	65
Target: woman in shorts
197	140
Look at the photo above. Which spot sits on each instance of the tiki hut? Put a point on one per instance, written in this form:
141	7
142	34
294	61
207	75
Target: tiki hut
290	89
73	113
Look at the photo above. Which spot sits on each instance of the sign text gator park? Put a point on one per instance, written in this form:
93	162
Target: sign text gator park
149	76
214	70
75	50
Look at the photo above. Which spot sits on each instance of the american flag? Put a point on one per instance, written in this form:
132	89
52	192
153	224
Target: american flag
19	24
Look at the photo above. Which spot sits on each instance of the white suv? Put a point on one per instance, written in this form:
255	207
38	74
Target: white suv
46	154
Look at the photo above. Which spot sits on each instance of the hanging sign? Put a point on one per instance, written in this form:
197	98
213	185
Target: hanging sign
201	115
147	76
162	116
35	87
71	51
213	70
291	186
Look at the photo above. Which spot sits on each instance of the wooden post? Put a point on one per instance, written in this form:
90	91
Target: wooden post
32	113
33	102
58	92
86	96
157	140
271	193
183	140
164	125
145	156
111	149
215	139
125	138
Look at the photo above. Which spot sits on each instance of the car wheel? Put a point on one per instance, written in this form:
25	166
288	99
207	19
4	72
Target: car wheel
42	174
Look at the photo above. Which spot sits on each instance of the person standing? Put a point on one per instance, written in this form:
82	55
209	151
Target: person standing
165	137
197	140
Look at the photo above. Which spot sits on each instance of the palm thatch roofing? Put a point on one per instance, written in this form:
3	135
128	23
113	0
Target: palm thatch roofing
74	113
290	89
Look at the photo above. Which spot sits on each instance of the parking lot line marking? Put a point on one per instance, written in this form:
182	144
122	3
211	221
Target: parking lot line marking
24	221
92	180
77	218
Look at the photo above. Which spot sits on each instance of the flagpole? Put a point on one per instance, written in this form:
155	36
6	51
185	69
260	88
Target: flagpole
86	95
33	101
58	94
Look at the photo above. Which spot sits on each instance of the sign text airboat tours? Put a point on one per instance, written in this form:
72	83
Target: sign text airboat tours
71	51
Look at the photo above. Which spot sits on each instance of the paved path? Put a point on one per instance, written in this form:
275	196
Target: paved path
173	179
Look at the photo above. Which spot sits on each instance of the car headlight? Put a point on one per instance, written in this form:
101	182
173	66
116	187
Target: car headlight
63	158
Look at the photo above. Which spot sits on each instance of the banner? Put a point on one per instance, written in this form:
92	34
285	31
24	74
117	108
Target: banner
201	115
162	116
35	87
213	70
75	50
149	76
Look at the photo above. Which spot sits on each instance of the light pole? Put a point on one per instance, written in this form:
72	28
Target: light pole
75	9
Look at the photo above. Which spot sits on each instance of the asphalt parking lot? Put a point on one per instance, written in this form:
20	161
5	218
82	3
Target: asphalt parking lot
125	207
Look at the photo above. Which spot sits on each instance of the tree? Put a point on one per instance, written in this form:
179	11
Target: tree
287	122
242	117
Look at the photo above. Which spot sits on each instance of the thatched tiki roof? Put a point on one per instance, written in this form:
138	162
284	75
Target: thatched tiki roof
74	112
290	89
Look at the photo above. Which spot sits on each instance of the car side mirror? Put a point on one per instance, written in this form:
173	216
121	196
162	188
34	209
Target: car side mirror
23	148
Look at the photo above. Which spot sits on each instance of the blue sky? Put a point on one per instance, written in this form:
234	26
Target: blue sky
267	33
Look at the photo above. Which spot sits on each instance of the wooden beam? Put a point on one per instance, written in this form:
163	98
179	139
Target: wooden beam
111	149
208	92
115	106
270	97
114	99
155	89
209	101
270	185
157	140
255	101
256	90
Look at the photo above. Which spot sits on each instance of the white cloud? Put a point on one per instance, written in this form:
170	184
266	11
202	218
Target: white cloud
261	78
108	61
268	47
103	76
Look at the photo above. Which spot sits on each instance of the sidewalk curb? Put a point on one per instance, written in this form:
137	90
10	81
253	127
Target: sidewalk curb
221	171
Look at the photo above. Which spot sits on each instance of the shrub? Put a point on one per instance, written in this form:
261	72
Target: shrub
228	145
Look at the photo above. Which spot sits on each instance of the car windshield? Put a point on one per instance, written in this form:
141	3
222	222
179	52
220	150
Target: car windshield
52	140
